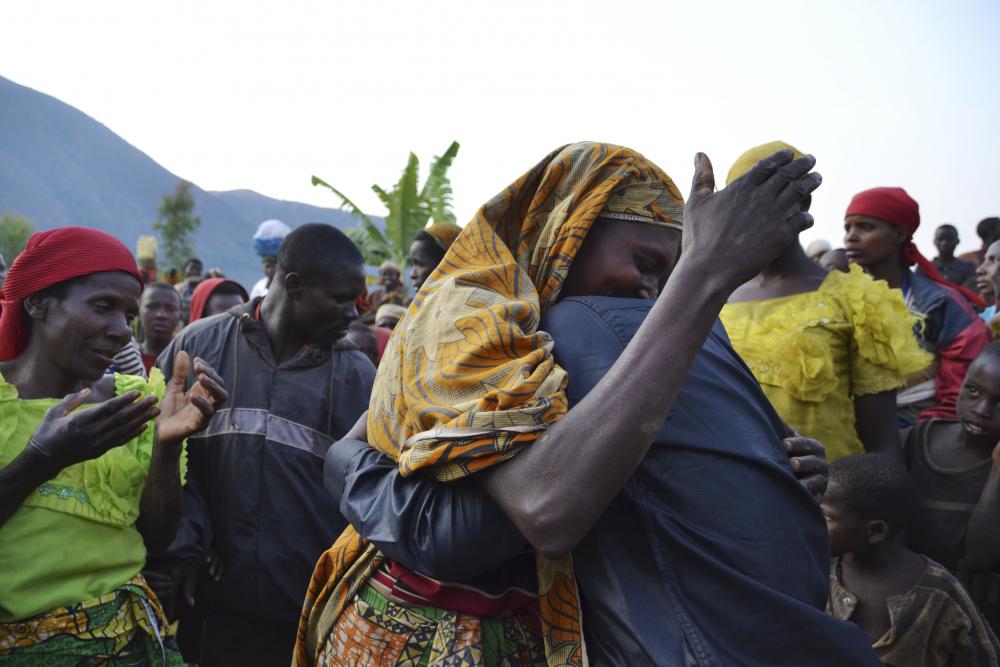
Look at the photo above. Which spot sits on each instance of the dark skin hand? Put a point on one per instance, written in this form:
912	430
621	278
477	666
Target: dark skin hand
67	436
808	461
555	489
184	576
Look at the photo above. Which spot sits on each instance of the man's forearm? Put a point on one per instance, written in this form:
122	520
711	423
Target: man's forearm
160	508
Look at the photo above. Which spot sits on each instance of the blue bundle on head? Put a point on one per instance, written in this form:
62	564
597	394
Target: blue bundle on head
268	237
267	247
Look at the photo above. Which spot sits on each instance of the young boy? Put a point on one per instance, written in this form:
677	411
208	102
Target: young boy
956	466
915	613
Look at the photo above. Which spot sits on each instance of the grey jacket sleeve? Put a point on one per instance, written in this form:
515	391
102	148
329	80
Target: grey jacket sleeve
448	531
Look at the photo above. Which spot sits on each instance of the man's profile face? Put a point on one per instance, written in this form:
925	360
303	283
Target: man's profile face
325	308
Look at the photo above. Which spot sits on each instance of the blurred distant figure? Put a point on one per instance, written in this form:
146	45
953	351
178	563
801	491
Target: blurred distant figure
214	296
146	258
835	260
215	272
388	315
988	284
266	242
390	289
362	336
159	315
817	249
988	230
428	248
3	269
172	276
953	269
193	271
193	274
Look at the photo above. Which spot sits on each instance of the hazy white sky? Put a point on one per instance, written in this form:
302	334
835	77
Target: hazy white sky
263	95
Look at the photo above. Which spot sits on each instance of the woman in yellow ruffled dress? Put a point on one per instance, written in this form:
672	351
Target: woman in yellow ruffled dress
830	349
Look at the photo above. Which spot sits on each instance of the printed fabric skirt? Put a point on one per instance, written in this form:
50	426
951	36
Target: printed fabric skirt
374	630
126	627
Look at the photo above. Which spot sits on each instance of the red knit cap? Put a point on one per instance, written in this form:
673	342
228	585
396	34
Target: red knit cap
52	257
894	206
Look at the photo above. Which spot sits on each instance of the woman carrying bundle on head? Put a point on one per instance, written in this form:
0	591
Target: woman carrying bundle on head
830	349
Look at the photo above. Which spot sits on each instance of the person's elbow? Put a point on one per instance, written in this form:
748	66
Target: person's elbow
551	528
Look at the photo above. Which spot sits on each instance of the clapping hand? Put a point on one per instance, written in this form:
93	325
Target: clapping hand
66	436
183	413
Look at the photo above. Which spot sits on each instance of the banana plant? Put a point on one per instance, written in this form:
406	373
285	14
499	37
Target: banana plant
409	209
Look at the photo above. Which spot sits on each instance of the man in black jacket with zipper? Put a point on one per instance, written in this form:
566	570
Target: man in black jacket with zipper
254	498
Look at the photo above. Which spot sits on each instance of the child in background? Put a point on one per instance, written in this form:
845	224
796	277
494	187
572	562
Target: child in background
915	613
956	466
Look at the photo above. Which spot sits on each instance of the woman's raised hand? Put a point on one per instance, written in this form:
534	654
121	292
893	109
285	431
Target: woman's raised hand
66	437
736	232
183	413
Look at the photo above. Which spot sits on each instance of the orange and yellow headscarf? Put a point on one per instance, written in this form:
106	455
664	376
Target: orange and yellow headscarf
468	379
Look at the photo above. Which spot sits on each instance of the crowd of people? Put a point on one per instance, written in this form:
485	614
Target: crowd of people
599	424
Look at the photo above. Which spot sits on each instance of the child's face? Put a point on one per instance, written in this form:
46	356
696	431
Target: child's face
979	401
848	532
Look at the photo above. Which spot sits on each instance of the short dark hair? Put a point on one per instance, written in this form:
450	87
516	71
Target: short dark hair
193	260
876	487
950	226
990	352
313	249
227	288
988	229
166	287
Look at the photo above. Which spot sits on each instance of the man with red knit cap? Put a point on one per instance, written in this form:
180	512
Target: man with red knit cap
879	227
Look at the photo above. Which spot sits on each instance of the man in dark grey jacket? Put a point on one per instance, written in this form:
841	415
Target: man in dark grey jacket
254	498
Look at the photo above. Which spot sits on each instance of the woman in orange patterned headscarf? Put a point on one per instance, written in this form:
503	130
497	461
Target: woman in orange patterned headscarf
468	381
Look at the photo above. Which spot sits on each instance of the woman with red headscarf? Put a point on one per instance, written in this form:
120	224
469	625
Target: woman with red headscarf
216	295
87	487
879	227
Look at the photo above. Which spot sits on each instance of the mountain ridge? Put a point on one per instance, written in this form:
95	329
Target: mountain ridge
59	166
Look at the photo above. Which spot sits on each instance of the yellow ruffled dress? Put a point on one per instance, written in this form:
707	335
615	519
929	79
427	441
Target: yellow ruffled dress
814	352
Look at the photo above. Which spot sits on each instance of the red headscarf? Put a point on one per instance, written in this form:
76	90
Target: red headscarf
894	206
203	292
52	257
